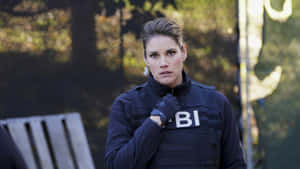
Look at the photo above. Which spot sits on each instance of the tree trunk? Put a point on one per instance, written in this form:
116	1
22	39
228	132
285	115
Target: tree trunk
83	34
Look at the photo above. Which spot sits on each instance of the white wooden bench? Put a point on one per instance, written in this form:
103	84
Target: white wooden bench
52	141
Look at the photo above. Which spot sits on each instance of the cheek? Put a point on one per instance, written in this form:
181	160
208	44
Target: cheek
178	63
153	68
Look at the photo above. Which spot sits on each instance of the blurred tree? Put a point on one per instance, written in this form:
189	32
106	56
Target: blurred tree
83	34
83	22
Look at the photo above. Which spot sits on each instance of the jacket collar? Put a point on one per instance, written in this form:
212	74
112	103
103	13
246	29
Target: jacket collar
162	90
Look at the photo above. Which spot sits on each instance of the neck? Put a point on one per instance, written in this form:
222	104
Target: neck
178	81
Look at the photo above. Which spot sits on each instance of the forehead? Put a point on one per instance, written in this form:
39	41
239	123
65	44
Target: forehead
160	43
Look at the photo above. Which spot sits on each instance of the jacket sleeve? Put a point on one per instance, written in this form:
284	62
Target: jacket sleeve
126	147
14	158
232	156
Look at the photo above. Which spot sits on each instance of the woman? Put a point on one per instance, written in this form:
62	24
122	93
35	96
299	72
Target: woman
171	121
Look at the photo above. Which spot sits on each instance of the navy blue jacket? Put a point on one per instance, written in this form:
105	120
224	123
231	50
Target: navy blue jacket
10	156
203	134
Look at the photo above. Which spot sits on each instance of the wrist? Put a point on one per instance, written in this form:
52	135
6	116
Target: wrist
162	116
156	119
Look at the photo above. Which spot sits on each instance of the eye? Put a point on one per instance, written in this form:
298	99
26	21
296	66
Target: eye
171	52
153	55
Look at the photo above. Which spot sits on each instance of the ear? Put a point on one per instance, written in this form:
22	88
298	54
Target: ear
145	58
184	50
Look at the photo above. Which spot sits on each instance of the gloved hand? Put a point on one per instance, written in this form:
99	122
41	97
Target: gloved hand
166	108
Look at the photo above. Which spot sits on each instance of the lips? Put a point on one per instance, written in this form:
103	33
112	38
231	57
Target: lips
165	72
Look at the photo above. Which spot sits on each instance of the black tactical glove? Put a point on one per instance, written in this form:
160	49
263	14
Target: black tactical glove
166	108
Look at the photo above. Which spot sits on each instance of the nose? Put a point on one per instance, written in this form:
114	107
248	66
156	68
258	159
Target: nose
163	62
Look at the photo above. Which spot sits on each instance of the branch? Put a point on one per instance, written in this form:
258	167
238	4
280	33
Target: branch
24	13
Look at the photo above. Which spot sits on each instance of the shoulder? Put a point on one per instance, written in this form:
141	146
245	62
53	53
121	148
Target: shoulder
212	89
218	94
221	97
202	89
202	86
122	105
131	94
210	93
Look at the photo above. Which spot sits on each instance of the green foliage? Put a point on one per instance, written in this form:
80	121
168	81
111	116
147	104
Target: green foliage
37	34
213	14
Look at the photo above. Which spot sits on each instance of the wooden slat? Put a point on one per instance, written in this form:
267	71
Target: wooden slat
79	142
59	143
21	138
41	144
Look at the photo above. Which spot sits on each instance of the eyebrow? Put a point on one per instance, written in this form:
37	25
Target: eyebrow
172	49
155	52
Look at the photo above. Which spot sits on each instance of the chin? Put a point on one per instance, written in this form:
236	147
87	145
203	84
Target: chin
167	82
